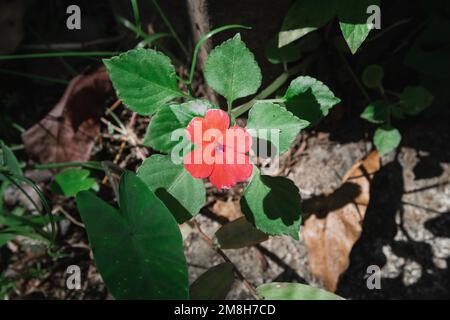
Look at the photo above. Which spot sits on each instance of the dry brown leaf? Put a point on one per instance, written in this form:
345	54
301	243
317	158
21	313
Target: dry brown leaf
68	131
228	209
335	222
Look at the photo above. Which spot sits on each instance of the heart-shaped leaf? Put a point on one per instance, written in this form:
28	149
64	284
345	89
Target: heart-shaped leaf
214	284
372	76
182	194
138	249
144	79
386	139
71	181
294	291
239	233
231	70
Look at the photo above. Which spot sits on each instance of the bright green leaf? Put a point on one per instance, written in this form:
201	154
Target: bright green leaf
372	76
273	205
231	70
415	99
71	181
294	291
386	139
376	112
182	194
274	123
214	284
138	249
169	119
309	99
354	34
144	79
239	233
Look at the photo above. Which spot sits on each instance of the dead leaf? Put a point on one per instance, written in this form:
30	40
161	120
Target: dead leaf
335	222
68	131
228	209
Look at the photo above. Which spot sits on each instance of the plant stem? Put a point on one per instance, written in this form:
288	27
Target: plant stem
58	54
354	77
34	76
89	165
137	16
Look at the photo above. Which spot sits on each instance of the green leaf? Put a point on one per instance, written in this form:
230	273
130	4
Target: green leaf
138	249
231	70
71	181
5	237
239	233
288	53
304	17
415	99
386	139
10	161
274	123
294	291
309	99
144	79
182	194
170	119
372	76
376	112
354	34
214	284
273	205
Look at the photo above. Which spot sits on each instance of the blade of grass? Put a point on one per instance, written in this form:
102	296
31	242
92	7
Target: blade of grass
34	76
137	16
58	54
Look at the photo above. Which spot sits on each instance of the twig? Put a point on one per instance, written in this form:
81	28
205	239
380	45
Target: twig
68	216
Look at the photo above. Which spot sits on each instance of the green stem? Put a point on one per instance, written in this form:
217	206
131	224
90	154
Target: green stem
34	76
203	39
137	16
94	165
58	54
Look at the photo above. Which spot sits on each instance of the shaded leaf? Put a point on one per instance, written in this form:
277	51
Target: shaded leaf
9	160
334	222
214	284
285	54
239	233
144	79
376	112
372	76
415	99
71	181
182	194
294	291
138	249
386	139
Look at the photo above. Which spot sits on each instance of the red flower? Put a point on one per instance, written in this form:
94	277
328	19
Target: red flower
220	152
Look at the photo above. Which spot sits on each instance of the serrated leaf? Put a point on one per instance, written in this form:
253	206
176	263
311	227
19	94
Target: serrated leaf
273	205
231	70
144	79
372	76
274	123
386	139
294	291
71	181
170	119
376	112
138	249
285	54
309	99
239	233
303	17
214	284
182	194
415	99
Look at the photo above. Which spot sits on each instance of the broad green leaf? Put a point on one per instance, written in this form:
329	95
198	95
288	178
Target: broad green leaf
376	112
275	124
239	233
288	53
386	139
182	194
304	17
144	79
5	237
231	70
309	99
294	291
214	284
138	249
10	161
273	205
372	76
169	119
415	99
71	181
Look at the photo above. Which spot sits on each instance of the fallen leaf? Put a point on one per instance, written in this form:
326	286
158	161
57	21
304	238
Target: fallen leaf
334	222
68	131
228	209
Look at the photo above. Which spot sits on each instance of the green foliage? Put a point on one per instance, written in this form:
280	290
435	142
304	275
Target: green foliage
239	233
294	291
9	161
273	205
415	99
182	194
137	249
285	54
214	284
377	112
386	139
144	79
372	76
271	117
231	70
71	181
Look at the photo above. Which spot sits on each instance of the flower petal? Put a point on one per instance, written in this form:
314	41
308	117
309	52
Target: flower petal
194	130
238	139
217	119
230	168
196	165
